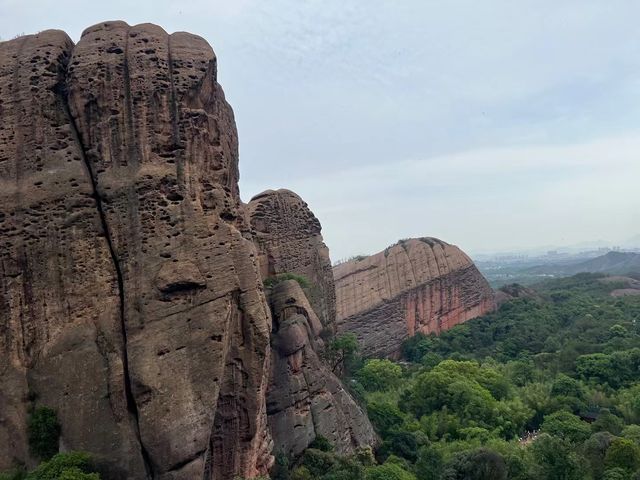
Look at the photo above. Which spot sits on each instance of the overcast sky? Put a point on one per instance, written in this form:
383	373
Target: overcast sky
492	125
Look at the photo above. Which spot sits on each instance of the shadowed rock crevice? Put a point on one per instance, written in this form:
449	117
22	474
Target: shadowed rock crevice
61	91
305	399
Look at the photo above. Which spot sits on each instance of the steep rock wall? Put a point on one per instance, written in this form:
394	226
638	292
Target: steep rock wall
417	285
130	300
289	240
305	398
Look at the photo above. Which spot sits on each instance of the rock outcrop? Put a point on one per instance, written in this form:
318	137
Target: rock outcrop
305	398
417	285
289	240
131	293
130	300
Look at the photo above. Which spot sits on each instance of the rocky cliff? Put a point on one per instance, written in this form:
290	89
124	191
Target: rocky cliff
305	398
417	285
130	301
289	240
131	293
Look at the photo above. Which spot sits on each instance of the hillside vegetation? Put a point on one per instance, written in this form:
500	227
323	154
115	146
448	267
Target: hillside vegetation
546	388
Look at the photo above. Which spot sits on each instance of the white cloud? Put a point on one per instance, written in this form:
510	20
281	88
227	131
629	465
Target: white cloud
489	124
482	199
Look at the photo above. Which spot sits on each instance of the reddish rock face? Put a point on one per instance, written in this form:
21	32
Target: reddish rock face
417	285
130	301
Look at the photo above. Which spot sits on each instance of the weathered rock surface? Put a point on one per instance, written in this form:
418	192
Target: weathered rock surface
305	398
289	240
130	302
417	285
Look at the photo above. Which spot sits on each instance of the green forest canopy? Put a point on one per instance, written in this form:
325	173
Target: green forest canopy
545	388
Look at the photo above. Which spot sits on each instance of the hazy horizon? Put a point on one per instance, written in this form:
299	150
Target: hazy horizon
493	127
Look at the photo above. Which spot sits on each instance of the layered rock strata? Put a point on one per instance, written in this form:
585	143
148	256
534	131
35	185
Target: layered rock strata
130	302
417	285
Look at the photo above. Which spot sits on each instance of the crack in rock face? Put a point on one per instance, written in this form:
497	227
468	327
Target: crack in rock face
305	398
130	299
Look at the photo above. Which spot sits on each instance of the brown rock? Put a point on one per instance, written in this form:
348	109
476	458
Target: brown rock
417	285
59	295
130	301
305	398
289	240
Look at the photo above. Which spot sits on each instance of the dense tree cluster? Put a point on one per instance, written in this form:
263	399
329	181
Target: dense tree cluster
546	388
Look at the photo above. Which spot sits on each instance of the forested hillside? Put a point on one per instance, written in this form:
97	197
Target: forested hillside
546	388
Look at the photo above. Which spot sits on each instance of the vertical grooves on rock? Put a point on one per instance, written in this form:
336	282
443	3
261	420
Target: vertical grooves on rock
130	136
173	107
15	86
131	403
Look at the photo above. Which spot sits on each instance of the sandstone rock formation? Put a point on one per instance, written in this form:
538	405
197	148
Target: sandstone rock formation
130	301
305	398
417	285
288	237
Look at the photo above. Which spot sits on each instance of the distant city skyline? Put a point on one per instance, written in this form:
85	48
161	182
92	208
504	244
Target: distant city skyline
492	125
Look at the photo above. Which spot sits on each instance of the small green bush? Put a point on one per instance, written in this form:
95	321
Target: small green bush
44	432
318	462
623	453
280	469
388	471
65	466
615	474
16	474
379	375
301	473
321	443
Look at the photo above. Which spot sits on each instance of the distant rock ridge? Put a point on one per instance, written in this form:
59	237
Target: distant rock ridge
613	263
416	285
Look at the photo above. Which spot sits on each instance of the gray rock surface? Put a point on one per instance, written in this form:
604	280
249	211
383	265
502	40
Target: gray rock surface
305	398
289	240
